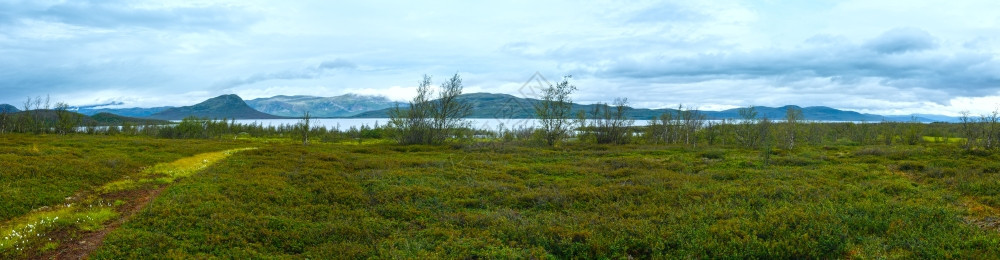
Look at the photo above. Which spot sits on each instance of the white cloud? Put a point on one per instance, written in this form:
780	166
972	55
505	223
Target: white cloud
876	56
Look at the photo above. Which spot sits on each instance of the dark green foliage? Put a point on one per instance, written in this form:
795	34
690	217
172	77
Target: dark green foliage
593	201
911	166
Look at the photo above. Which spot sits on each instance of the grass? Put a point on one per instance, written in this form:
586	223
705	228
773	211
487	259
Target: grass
39	171
52	184
33	230
165	173
938	139
379	200
588	201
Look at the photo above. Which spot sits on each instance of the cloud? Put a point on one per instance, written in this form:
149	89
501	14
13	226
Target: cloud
61	80
901	40
889	56
337	64
667	12
305	73
119	14
892	59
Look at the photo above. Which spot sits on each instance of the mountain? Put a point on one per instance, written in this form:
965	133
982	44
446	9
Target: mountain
818	113
105	118
129	112
338	106
486	105
5	108
225	106
102	119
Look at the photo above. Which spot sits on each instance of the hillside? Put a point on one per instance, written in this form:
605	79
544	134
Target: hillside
129	112
6	108
105	118
224	106
101	119
486	105
818	113
338	106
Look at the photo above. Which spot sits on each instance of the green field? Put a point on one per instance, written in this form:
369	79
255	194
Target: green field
378	200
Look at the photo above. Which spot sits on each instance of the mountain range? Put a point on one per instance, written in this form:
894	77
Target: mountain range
484	105
338	106
131	112
225	106
99	119
487	105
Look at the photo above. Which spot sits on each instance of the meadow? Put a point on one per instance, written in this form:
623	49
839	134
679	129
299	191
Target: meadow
376	199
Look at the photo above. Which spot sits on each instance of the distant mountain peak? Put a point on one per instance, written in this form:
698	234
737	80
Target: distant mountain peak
229	106
7	108
227	98
336	106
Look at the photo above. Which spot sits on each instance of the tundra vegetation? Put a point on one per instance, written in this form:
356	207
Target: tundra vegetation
428	186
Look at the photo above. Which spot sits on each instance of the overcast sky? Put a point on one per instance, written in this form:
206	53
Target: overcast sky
886	57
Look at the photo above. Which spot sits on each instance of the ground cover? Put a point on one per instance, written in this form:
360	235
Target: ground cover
387	201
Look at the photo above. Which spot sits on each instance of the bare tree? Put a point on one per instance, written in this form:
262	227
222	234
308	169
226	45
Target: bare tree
655	131
25	121
554	110
66	120
5	120
990	130
448	111
792	117
764	139
968	129
914	131
745	132
692	121
305	128
680	128
582	132
888	130
612	125
413	125
712	132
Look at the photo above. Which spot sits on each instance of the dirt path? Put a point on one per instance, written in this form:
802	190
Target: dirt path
76	244
83	246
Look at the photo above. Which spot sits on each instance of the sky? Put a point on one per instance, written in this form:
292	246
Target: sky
884	57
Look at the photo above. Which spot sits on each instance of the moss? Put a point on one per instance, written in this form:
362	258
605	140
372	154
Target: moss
379	200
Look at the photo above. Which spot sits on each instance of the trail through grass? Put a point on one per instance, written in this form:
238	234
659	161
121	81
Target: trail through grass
165	173
58	230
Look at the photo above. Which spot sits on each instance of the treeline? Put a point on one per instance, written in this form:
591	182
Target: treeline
40	116
430	122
